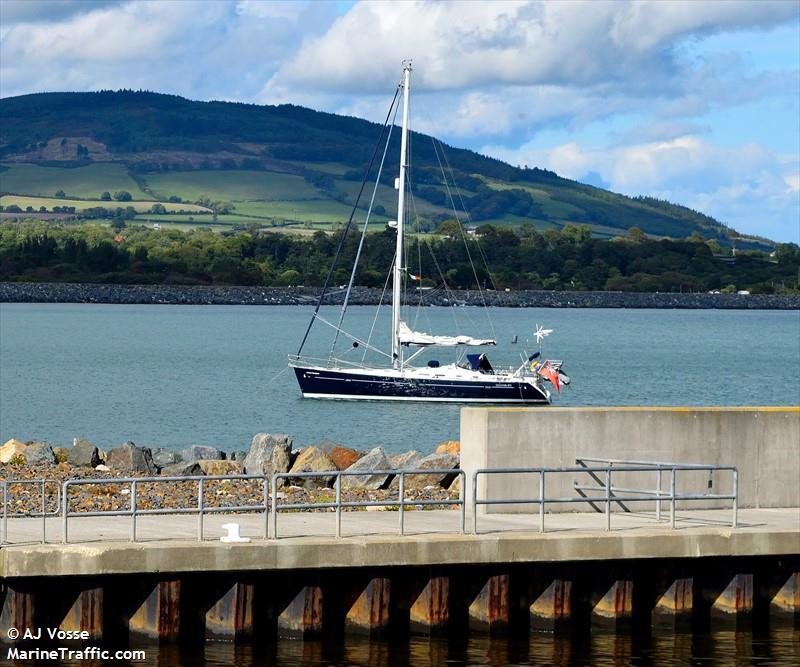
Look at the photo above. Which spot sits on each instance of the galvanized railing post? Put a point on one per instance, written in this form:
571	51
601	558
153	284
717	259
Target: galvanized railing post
133	511
44	513
401	499
339	504
735	523
541	500
462	497
200	509
65	510
475	502
608	498
275	507
266	508
672	498
658	493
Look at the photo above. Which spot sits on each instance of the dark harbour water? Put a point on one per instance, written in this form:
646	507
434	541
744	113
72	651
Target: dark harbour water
176	375
780	647
172	376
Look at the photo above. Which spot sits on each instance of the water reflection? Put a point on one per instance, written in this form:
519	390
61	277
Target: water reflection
779	648
776	648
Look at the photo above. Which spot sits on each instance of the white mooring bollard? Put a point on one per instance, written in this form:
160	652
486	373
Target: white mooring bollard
233	533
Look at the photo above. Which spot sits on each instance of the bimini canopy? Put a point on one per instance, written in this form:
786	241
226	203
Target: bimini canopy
480	362
419	339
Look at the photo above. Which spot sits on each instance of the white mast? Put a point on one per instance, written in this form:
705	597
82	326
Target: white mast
397	279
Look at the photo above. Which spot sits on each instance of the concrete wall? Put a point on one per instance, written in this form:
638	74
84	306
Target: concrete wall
763	442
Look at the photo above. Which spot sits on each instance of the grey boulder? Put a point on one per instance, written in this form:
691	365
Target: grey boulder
83	454
269	454
164	457
374	460
131	458
444	479
407	461
202	453
182	469
38	453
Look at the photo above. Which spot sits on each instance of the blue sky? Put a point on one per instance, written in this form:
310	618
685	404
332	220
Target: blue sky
695	102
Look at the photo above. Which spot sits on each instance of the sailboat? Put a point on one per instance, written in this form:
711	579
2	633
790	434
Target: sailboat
471	380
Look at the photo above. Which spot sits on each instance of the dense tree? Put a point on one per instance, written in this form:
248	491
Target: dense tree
518	259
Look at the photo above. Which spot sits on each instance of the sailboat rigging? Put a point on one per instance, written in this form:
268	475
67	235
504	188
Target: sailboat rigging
471	380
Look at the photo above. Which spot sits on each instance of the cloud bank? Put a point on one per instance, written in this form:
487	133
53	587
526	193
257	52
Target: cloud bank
693	101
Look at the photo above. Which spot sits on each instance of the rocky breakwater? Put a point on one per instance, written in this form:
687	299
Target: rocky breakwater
286	296
372	476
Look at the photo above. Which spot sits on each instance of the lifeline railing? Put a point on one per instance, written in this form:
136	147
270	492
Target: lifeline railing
44	513
134	511
610	492
401	503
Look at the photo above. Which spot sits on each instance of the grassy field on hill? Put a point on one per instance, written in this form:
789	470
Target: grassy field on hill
233	185
83	204
83	182
290	163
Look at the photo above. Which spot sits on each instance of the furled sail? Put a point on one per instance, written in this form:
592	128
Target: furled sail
419	339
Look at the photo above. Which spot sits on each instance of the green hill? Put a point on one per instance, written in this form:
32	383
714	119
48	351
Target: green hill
284	166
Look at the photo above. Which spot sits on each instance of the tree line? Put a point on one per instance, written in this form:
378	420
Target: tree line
515	258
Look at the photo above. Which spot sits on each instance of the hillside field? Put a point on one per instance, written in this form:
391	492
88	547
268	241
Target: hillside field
288	164
83	204
81	182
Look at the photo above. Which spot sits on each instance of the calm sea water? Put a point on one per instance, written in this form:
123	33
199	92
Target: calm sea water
172	376
776	648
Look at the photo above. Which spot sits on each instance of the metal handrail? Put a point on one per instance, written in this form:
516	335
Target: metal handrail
649	464
401	503
134	511
658	467
608	494
608	497
43	513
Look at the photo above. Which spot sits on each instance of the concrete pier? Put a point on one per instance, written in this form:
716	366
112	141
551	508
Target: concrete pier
507	579
609	573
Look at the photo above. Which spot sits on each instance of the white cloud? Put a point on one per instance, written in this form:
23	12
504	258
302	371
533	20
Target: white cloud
207	50
491	73
463	44
747	186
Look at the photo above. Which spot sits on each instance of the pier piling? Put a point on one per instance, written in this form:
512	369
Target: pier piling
430	612
159	615
552	610
489	611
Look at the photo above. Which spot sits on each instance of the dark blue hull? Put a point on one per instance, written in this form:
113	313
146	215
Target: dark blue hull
323	383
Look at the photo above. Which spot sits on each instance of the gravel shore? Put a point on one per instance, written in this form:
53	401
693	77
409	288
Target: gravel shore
168	494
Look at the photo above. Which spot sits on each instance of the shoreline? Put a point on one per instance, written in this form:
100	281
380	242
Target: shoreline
366	296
